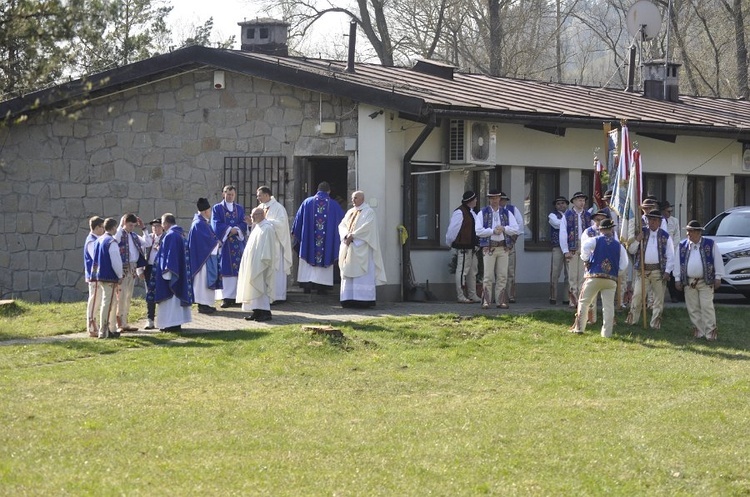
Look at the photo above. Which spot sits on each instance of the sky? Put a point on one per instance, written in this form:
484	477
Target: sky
227	13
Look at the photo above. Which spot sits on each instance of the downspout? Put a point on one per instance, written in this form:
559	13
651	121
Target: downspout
407	204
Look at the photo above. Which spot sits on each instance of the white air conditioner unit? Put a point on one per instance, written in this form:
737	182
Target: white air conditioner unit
472	142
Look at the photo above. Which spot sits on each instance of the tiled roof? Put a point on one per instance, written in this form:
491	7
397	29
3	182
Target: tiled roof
429	91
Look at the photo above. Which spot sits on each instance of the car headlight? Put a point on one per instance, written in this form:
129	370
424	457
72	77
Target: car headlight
737	253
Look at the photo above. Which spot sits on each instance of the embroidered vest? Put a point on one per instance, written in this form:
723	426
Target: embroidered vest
605	259
591	232
706	251
88	260
487	223
125	249
570	223
662	237
467	235
102	270
554	233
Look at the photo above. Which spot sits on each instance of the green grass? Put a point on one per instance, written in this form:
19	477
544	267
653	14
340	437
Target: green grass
512	405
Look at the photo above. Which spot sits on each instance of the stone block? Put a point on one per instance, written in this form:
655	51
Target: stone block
74	149
124	170
62	127
50	294
142	140
74	208
72	262
31	242
290	102
72	295
265	101
38	260
271	145
78	170
45	243
166	100
19	261
36	278
209	99
155	123
148	102
24	223
92	207
72	190
101	156
293	116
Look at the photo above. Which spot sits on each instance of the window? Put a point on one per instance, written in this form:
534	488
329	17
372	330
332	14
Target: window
250	33
587	186
742	190
701	198
263	33
655	184
249	173
425	194
541	189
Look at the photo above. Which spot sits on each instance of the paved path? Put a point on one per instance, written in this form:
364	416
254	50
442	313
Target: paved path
323	310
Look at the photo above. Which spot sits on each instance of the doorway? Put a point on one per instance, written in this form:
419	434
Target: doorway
314	170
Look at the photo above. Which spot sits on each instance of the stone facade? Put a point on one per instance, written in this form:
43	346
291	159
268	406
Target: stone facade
149	150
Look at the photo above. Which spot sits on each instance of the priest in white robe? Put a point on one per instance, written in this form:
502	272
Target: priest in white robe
360	259
277	216
257	274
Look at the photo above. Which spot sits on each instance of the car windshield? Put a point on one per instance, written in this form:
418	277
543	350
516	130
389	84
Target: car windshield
729	224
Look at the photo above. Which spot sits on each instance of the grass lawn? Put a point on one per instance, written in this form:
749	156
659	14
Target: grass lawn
510	405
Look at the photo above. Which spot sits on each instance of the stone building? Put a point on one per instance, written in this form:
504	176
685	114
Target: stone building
154	136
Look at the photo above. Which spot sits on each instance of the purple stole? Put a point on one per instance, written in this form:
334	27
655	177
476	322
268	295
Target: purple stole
202	241
173	257
231	251
315	228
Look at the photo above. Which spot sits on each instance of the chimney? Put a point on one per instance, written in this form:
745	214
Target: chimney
352	46
661	80
268	36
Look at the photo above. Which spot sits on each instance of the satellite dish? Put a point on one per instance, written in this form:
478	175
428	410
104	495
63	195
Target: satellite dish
644	17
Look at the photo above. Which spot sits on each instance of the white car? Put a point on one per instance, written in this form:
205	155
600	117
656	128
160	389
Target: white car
731	231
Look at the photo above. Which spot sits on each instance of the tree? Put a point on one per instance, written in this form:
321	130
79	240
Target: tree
30	54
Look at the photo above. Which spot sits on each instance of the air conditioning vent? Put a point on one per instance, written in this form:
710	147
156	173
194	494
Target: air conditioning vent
457	139
472	142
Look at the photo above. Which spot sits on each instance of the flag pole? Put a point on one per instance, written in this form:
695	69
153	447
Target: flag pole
639	229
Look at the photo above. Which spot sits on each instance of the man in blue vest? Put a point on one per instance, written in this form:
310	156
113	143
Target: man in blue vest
107	272
496	229
699	273
604	257
658	263
557	264
576	220
131	252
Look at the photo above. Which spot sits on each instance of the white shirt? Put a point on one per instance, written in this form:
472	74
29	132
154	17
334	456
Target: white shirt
651	256
564	229
457	219
511	229
694	265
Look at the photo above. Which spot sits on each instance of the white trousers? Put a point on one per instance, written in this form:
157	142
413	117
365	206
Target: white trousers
591	288
699	300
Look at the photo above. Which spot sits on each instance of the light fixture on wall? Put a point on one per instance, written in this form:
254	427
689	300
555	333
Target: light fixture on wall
376	114
219	80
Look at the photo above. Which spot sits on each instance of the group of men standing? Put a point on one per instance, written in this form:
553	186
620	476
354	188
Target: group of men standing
241	260
115	257
490	233
657	258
